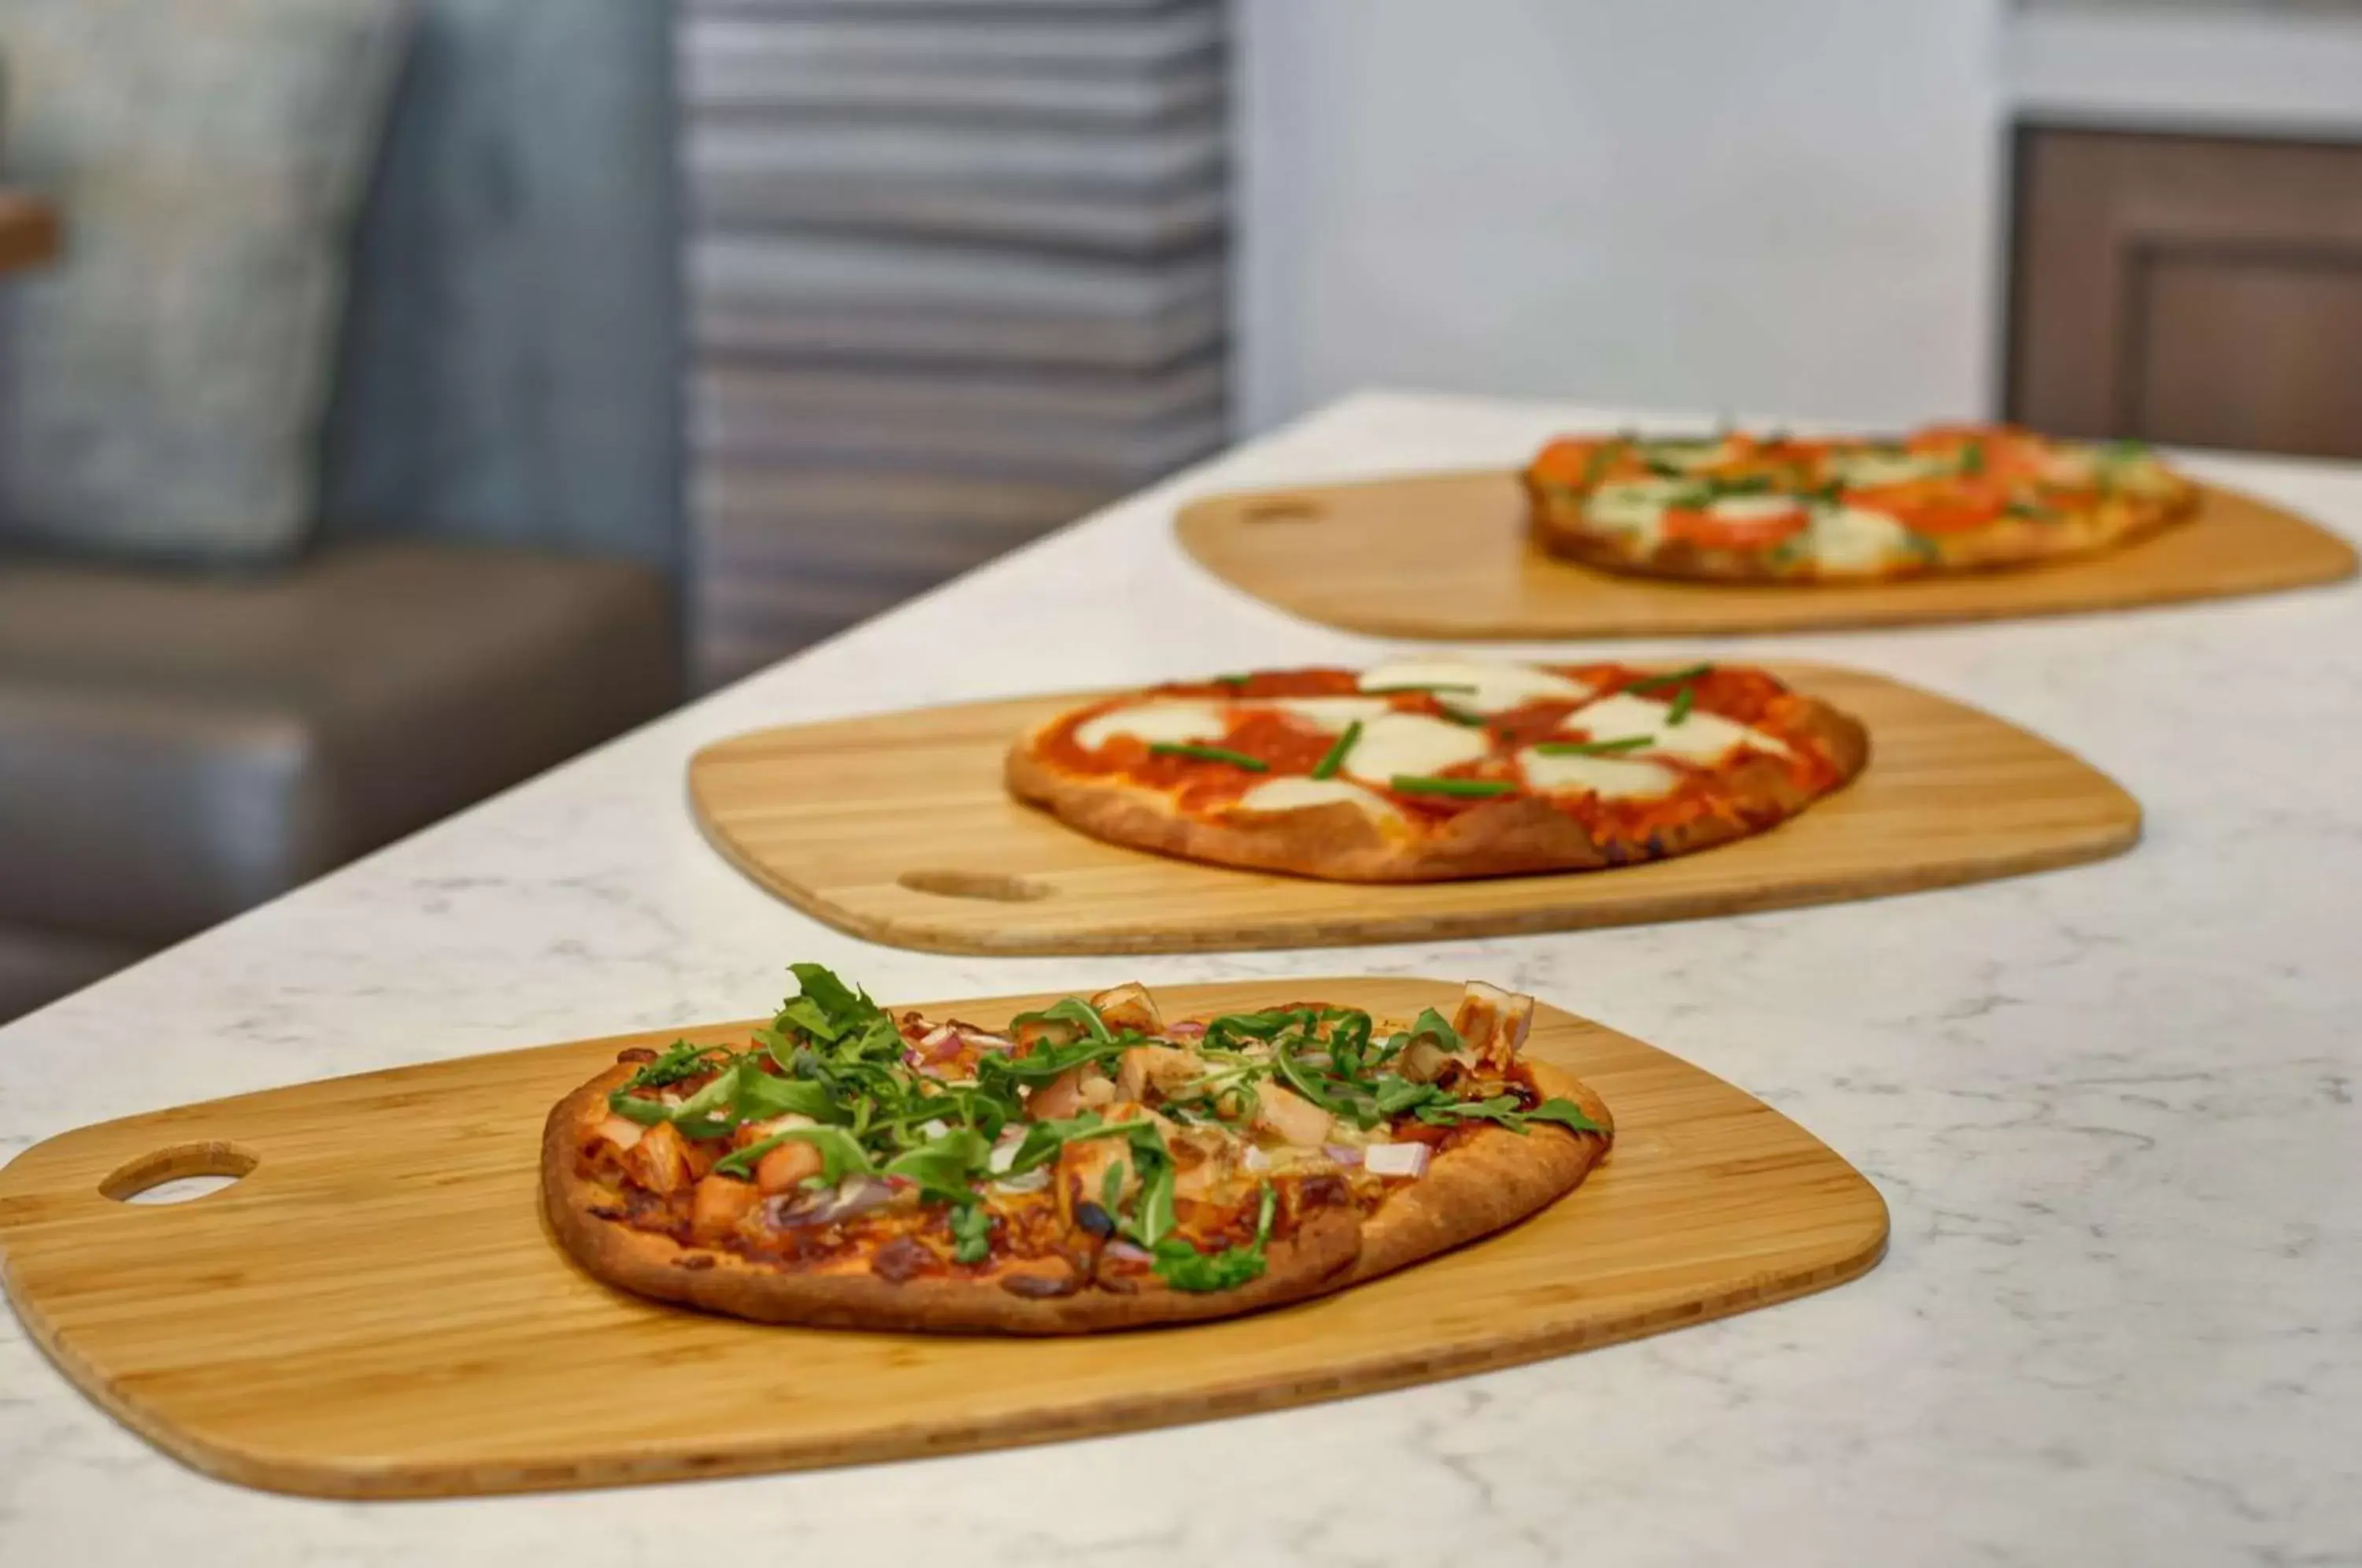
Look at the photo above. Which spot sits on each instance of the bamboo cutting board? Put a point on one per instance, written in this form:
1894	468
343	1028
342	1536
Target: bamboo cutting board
376	1310
1446	556
896	828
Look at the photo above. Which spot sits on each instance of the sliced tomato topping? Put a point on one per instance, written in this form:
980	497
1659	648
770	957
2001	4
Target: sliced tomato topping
1943	504
1751	530
1564	461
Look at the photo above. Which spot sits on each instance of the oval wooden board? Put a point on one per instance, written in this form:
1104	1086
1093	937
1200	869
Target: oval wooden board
1447	555
377	1311
897	828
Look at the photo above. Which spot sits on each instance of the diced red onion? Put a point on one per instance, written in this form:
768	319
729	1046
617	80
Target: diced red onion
985	1041
1192	1030
1341	1153
1395	1159
1129	1252
851	1198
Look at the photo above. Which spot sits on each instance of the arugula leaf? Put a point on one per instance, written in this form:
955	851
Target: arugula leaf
1074	1010
1501	1108
1433	1026
762	1095
946	1166
972	1229
1300	1078
1396	1094
1111	1186
1566	1113
682	1059
1153	1221
841	1154
843	1003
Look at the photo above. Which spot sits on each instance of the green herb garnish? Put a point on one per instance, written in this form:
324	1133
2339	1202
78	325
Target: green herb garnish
1232	680
1327	766
1421	784
1212	754
1594	748
1184	1267
972	1229
1429	687
1671	677
1680	710
1972	458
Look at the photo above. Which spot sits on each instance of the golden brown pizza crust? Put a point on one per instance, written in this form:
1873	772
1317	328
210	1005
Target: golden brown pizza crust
1318	1257
1559	527
1343	842
1487	1183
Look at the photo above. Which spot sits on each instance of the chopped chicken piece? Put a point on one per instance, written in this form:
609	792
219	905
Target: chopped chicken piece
1290	1116
658	1161
720	1203
786	1167
1129	1006
1493	1022
1162	1068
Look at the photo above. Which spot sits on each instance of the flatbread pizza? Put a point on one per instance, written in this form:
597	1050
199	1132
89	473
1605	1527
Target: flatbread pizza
1736	507
1091	1166
1437	768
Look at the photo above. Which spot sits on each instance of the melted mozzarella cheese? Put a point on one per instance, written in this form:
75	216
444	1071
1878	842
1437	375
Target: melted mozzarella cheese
1329	715
1491	688
1855	538
1396	744
1297	794
1864	469
1750	508
1636	507
1699	737
1687	456
1610	777
1162	722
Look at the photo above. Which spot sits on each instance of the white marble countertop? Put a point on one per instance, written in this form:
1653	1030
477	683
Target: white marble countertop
2113	1109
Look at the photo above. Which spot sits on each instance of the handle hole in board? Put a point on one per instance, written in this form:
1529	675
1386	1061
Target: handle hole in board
180	1174
986	885
1282	509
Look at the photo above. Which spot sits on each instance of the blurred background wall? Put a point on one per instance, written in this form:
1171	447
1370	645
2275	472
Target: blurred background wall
1684	204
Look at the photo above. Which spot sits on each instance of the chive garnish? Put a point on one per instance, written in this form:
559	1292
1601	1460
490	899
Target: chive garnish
1681	708
1420	784
1429	687
1671	677
1327	766
1594	748
1232	680
1212	754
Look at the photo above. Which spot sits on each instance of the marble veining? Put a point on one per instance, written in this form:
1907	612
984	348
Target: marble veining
2113	1109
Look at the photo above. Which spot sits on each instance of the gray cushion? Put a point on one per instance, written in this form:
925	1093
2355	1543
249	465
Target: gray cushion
162	390
173	749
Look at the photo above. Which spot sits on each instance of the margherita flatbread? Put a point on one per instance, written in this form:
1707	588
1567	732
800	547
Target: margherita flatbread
1094	1167
1438	767
1736	507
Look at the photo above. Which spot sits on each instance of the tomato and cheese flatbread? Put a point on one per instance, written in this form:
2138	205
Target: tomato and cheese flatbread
1436	768
1091	1167
1736	507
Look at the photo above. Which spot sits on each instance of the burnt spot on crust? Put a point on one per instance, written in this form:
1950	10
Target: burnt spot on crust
1041	1286
635	1053
605	1212
901	1260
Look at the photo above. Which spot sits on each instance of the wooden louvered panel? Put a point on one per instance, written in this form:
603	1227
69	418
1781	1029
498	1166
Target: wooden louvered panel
956	275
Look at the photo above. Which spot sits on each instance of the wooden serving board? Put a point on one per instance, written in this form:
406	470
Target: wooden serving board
1447	555
897	829
376	1310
